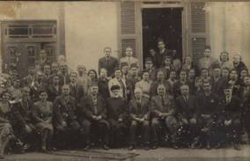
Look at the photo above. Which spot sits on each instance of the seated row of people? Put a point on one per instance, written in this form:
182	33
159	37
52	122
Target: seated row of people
205	120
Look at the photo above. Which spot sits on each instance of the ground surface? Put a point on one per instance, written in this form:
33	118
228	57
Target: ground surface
160	154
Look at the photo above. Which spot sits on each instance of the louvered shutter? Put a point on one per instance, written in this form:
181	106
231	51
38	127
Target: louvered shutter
199	31
128	35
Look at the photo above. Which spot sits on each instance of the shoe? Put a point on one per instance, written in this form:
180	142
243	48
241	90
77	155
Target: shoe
86	148
146	147
175	146
208	147
217	146
155	146
44	151
105	147
131	147
237	146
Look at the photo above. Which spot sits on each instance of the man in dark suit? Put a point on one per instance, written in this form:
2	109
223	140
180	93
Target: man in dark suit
54	89
64	74
76	89
93	116
232	115
65	119
23	120
186	114
117	116
139	114
207	113
182	81
162	53
163	111
108	62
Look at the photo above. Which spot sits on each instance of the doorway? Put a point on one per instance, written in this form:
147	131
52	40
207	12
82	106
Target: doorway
162	24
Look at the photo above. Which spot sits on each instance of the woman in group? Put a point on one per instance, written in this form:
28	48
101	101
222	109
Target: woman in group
93	75
43	110
6	131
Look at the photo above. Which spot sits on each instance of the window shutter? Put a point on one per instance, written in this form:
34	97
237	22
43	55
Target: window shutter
199	31
128	31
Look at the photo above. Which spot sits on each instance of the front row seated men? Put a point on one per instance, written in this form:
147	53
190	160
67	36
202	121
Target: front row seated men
208	119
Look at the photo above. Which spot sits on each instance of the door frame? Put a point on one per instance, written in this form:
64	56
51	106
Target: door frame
178	4
4	39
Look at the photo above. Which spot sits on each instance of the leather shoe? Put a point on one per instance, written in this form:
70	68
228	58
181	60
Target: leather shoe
155	146
146	147
131	147
237	146
175	146
105	147
208	147
217	146
86	148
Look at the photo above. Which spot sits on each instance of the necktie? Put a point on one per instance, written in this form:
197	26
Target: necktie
95	105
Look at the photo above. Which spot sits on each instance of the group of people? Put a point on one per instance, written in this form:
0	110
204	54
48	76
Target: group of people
196	105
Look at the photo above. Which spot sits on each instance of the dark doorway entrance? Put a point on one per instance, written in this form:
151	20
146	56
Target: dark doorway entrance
165	24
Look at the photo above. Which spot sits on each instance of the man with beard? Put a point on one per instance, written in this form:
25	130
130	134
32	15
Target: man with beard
117	117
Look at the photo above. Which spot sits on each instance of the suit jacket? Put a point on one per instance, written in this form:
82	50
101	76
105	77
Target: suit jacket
64	110
42	113
23	112
207	104
160	57
114	81
139	112
129	61
117	108
186	108
231	110
165	106
104	87
76	91
53	93
87	109
108	64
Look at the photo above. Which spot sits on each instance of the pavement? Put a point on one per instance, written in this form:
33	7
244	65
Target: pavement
160	154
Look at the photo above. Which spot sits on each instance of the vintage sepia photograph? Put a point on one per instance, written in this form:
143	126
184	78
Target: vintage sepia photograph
125	80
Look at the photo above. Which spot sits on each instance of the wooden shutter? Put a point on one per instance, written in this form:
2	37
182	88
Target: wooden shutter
128	31
198	29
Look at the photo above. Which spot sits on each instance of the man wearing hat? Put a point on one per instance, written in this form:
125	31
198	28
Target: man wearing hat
231	114
118	80
117	112
149	66
108	62
93	115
